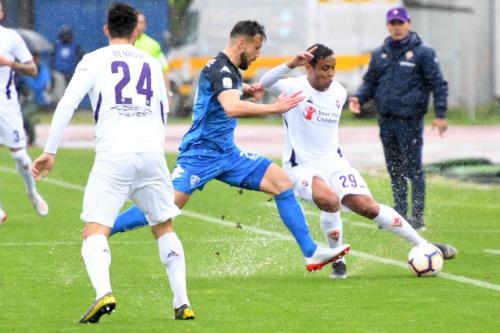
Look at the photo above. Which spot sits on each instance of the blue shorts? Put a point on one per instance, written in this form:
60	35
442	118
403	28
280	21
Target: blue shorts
236	168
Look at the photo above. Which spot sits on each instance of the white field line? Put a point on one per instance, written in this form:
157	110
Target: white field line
309	212
272	234
492	251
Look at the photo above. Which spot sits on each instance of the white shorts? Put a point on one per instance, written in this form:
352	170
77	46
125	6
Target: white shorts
338	174
11	126
142	177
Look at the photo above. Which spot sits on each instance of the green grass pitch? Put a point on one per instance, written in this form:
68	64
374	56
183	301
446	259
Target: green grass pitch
244	272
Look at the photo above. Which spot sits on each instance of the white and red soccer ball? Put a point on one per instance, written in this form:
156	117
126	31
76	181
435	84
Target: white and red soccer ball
425	260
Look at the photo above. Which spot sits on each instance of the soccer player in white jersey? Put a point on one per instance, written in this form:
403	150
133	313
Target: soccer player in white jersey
312	156
16	58
128	94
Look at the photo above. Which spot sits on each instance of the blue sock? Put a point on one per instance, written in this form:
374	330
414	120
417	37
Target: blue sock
132	218
293	217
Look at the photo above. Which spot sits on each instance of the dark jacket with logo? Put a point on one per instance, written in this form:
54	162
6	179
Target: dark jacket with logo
400	77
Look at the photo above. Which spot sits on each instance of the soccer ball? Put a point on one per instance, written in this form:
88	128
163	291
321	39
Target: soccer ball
425	260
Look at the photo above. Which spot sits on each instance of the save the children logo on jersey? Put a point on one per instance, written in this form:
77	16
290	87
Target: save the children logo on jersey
309	110
330	116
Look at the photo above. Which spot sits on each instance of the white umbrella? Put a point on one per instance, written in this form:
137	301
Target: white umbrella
35	41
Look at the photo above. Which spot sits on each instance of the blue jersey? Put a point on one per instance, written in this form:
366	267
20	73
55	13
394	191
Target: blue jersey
211	127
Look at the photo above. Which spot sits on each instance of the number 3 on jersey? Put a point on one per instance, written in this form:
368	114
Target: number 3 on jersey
143	86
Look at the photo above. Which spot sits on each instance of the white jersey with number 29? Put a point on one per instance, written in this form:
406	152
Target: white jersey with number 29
128	96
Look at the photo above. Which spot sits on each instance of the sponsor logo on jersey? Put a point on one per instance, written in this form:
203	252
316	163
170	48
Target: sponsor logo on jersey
249	155
311	113
310	110
194	180
227	82
225	69
304	183
129	110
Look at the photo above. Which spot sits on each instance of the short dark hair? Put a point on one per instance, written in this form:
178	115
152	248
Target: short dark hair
122	20
321	52
248	29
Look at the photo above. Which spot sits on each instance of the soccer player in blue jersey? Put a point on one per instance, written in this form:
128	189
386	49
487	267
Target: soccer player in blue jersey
208	150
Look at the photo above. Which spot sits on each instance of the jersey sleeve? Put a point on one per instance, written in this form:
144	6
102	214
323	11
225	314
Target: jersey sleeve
222	79
20	50
283	86
82	81
273	80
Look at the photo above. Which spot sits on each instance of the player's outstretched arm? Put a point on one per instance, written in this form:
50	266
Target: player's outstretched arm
236	108
254	91
43	165
27	68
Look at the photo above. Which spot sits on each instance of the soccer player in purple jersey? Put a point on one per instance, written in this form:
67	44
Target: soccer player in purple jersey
16	58
128	94
312	156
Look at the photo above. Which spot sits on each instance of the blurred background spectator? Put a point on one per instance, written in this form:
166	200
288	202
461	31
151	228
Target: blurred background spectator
35	95
67	53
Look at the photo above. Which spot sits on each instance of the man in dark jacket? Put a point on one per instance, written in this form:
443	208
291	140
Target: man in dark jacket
401	75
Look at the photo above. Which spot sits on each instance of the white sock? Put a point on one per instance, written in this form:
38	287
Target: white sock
331	225
172	257
23	166
97	258
390	220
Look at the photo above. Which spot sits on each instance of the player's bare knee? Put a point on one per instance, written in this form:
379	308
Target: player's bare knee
368	209
329	204
372	210
280	184
161	229
93	228
284	184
